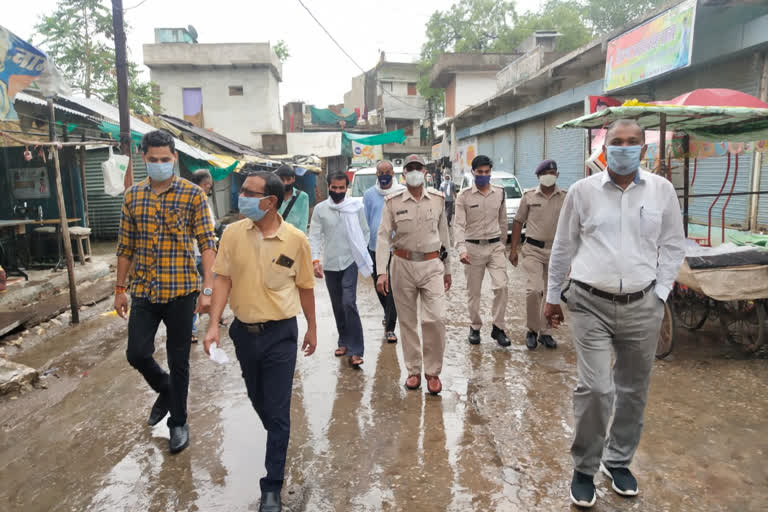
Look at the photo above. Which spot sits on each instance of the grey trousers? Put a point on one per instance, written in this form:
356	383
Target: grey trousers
599	325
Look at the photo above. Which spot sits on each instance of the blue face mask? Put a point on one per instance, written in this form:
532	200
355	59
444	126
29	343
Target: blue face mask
249	206
482	181
160	171
385	179
623	160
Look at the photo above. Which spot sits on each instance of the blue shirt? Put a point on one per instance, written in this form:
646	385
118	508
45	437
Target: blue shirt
373	204
299	214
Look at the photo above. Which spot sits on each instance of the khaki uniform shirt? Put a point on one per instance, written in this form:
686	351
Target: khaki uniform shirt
540	213
412	225
480	216
266	273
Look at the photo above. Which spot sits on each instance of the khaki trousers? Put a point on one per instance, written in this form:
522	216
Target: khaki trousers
493	258
414	280
536	266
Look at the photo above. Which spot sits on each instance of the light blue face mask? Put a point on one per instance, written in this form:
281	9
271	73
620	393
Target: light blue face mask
623	160
249	206
160	171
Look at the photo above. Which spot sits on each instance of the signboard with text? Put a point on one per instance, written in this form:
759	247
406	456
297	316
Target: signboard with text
364	155
658	46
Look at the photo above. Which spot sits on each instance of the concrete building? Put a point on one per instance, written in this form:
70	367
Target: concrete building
516	125
387	98
232	88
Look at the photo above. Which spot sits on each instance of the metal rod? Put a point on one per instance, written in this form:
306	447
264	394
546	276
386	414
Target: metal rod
64	228
709	213
122	87
728	200
686	189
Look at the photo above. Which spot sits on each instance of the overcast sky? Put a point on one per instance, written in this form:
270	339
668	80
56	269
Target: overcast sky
317	71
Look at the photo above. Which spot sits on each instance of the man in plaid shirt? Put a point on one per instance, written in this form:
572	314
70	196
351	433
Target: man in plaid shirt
162	216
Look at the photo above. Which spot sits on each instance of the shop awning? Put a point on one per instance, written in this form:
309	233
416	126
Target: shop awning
713	124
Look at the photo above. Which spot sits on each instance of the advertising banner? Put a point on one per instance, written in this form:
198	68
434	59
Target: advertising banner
658	46
20	64
466	151
366	156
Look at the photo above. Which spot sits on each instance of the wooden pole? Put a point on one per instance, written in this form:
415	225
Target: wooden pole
83	185
686	180
65	240
122	88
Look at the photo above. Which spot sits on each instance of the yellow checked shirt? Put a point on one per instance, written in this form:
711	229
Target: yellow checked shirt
266	273
157	234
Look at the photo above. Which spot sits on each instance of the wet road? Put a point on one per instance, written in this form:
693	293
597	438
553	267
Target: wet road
496	439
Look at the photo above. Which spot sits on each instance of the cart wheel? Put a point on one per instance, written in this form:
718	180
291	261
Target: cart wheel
692	308
743	323
667	335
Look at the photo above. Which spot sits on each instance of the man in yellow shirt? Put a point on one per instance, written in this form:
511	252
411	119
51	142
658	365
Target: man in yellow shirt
264	267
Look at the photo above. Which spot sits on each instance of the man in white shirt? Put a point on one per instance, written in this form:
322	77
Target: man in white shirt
339	232
621	234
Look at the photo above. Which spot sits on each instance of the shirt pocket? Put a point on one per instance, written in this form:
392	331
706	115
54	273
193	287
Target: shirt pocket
406	222
279	277
650	223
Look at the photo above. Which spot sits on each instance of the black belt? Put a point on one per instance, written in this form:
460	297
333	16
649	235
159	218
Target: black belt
535	243
259	327
621	298
485	242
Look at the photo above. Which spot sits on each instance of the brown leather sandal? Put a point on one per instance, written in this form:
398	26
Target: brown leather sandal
355	361
413	382
434	386
341	351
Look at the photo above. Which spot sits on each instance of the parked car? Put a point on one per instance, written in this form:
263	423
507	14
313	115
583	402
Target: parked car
365	178
512	189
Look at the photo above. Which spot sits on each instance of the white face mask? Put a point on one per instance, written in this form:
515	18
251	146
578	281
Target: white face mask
414	178
547	180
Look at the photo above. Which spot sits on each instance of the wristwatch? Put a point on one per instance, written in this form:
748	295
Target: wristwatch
207	292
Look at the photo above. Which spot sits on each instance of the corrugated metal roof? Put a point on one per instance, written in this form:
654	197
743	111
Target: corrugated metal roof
111	113
211	136
34	100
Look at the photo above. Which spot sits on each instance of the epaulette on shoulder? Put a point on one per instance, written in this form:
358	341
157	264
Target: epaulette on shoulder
436	192
396	194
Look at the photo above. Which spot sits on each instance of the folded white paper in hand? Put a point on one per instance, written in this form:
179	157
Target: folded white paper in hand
217	354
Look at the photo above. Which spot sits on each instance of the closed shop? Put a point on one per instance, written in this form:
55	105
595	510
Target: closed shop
762	210
529	146
566	146
504	149
104	210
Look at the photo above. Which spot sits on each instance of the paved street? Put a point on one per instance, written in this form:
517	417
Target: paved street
496	439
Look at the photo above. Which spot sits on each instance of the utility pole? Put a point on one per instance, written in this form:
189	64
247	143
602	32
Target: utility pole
122	87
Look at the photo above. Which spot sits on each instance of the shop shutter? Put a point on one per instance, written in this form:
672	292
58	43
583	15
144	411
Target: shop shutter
485	146
504	149
566	147
529	145
104	210
762	210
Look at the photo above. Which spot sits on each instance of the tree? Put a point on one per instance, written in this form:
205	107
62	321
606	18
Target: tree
607	15
282	51
79	37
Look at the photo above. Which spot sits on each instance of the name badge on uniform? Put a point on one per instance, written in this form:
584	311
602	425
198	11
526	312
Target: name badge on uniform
284	261
401	212
475	206
534	204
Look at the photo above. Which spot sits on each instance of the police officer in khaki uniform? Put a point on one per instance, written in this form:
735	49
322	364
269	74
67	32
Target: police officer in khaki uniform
413	223
539	211
481	233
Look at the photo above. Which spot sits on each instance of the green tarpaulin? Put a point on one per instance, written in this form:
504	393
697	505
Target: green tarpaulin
713	124
218	173
113	130
393	137
326	116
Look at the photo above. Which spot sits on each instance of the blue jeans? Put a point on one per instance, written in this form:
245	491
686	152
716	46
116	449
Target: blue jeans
268	360
342	287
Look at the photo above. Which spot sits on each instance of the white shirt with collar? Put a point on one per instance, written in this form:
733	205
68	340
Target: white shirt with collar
328	237
618	241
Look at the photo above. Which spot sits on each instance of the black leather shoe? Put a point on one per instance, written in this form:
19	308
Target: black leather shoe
270	502
531	340
474	336
500	336
179	438
158	412
547	341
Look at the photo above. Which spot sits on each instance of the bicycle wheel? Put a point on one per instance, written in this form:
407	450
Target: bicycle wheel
667	334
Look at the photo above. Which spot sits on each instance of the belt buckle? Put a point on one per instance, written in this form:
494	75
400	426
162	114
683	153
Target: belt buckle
417	256
484	242
255	328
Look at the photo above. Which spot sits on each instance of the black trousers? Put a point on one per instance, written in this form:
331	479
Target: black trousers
387	301
342	288
143	322
268	360
449	209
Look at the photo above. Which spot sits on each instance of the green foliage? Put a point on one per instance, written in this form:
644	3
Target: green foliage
565	16
282	51
607	15
79	37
